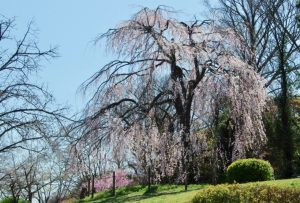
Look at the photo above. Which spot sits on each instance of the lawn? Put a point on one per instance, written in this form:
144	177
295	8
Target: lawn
167	193
281	183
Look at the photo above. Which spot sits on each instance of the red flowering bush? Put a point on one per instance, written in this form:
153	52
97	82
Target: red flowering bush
106	181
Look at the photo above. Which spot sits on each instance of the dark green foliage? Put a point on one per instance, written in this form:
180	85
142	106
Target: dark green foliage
11	200
23	201
250	193
249	170
273	151
153	189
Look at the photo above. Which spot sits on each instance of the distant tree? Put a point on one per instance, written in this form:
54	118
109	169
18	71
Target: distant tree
88	157
269	31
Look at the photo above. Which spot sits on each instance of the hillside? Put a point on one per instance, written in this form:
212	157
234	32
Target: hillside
167	193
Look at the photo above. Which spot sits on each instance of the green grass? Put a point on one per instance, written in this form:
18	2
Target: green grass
158	193
280	183
167	193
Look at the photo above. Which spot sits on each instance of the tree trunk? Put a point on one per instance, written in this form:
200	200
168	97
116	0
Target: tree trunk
30	197
114	184
183	109
285	132
149	179
93	185
29	194
89	186
214	166
15	200
186	155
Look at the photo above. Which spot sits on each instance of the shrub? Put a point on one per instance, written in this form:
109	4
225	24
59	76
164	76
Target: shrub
7	200
253	193
106	181
249	170
11	200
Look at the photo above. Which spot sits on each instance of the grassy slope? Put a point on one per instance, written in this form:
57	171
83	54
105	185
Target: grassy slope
168	193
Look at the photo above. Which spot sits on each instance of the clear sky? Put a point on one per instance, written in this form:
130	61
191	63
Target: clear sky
73	25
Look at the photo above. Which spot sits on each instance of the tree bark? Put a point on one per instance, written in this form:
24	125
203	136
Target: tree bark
89	186
285	132
93	185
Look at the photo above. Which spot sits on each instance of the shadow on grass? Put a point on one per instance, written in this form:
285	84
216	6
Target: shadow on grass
151	190
107	195
121	197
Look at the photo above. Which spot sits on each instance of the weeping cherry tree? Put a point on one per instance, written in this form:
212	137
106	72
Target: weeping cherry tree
179	68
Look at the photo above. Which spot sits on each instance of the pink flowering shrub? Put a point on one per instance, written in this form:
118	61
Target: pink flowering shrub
106	181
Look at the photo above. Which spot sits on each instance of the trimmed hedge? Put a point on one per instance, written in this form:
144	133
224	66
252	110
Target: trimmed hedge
249	170
250	193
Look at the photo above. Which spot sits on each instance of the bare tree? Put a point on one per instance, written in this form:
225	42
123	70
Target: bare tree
12	183
57	179
89	158
253	27
25	106
30	123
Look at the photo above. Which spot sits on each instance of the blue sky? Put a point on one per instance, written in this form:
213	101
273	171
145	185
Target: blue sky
73	25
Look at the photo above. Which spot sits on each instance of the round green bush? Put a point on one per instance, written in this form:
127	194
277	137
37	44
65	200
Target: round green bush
249	170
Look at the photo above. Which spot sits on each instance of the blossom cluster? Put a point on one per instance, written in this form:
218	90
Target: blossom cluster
106	181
